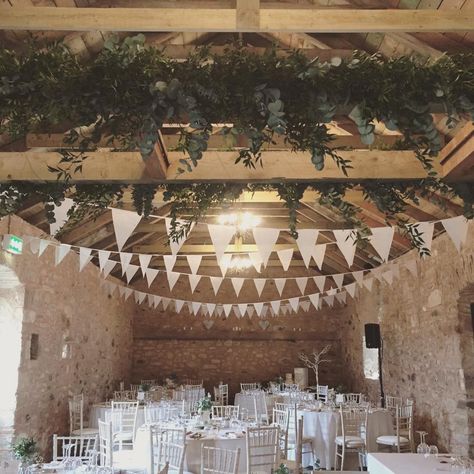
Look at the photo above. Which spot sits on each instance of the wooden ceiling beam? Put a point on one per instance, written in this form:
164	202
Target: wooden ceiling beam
128	167
457	157
228	20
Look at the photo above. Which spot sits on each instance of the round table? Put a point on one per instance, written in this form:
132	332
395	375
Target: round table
245	401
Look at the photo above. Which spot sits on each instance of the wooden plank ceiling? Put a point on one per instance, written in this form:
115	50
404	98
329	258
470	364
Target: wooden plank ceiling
150	235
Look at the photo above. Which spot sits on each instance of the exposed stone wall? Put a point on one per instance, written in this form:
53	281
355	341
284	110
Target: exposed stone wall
62	304
421	331
233	349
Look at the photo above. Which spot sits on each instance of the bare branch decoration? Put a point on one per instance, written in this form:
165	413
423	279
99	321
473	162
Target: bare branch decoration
313	361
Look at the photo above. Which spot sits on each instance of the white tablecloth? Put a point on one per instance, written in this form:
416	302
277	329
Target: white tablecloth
407	463
322	427
245	401
193	447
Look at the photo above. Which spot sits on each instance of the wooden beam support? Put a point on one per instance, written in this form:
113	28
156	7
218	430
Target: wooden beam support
457	157
128	167
232	20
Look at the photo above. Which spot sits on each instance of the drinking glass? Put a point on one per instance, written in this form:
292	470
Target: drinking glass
434	450
422	448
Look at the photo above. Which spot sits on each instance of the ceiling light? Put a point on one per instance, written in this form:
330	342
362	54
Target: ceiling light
240	263
243	221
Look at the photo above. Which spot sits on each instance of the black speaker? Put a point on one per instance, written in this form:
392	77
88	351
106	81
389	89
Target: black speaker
372	336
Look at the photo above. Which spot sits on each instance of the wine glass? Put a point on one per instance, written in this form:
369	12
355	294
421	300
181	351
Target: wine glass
433	450
422	448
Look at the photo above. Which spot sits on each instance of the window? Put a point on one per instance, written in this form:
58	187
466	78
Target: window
371	362
34	346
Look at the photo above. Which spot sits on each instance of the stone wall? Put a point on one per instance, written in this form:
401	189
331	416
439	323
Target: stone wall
232	350
61	305
422	328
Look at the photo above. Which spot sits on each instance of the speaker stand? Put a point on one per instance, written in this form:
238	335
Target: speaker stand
380	355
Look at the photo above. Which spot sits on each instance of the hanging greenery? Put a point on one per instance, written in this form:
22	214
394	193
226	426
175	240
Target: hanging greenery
129	91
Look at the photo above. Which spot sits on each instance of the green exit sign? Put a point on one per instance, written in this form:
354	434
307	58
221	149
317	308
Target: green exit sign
13	244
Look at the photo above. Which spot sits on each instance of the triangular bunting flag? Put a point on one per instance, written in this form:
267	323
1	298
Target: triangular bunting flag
250	311
224	263
172	279
34	245
125	259
220	237
108	267
395	267
426	229
320	282
332	291
329	300
176	246
194	261
314	298
43	245
456	228
259	284
124	223
338	279
84	257
275	306
345	242
256	261
130	273
381	240
165	303
258	308
210	308
151	274
196	307
388	276
60	215
318	254
104	256
169	261
237	284
341	297
305	305
302	282
193	281
156	301
216	283
141	297
150	301
306	241
368	283
265	311
242	308
412	267
178	305
285	257
144	262
128	292
227	309
60	252
358	276
377	273
294	303
122	291
265	239
351	289
280	284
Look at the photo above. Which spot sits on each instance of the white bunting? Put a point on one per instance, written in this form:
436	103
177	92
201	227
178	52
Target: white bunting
60	215
165	302
237	284
306	241
412	267
141	297
285	257
60	252
124	223
43	245
144	262
108	267
305	305
242	309
329	300
125	259
122	291
194	261
151	274
156	301
219	310
345	242
294	303
176	246
351	289
84	257
388	276
259	284
338	279
358	276
275	306
377	273
381	240
256	261
224	263
426	229
216	283
227	309
318	254
128	292
178	305
172	279
210	308
341	297
250	311
258	308
302	282
280	284
368	283
151	301
320	282
456	228
189	305
265	239
104	256
34	245
193	281
220	237
169	261
196	307
332	291
131	270
283	309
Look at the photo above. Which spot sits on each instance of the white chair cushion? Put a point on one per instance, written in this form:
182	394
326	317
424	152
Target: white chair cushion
351	441
391	440
123	436
86	432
